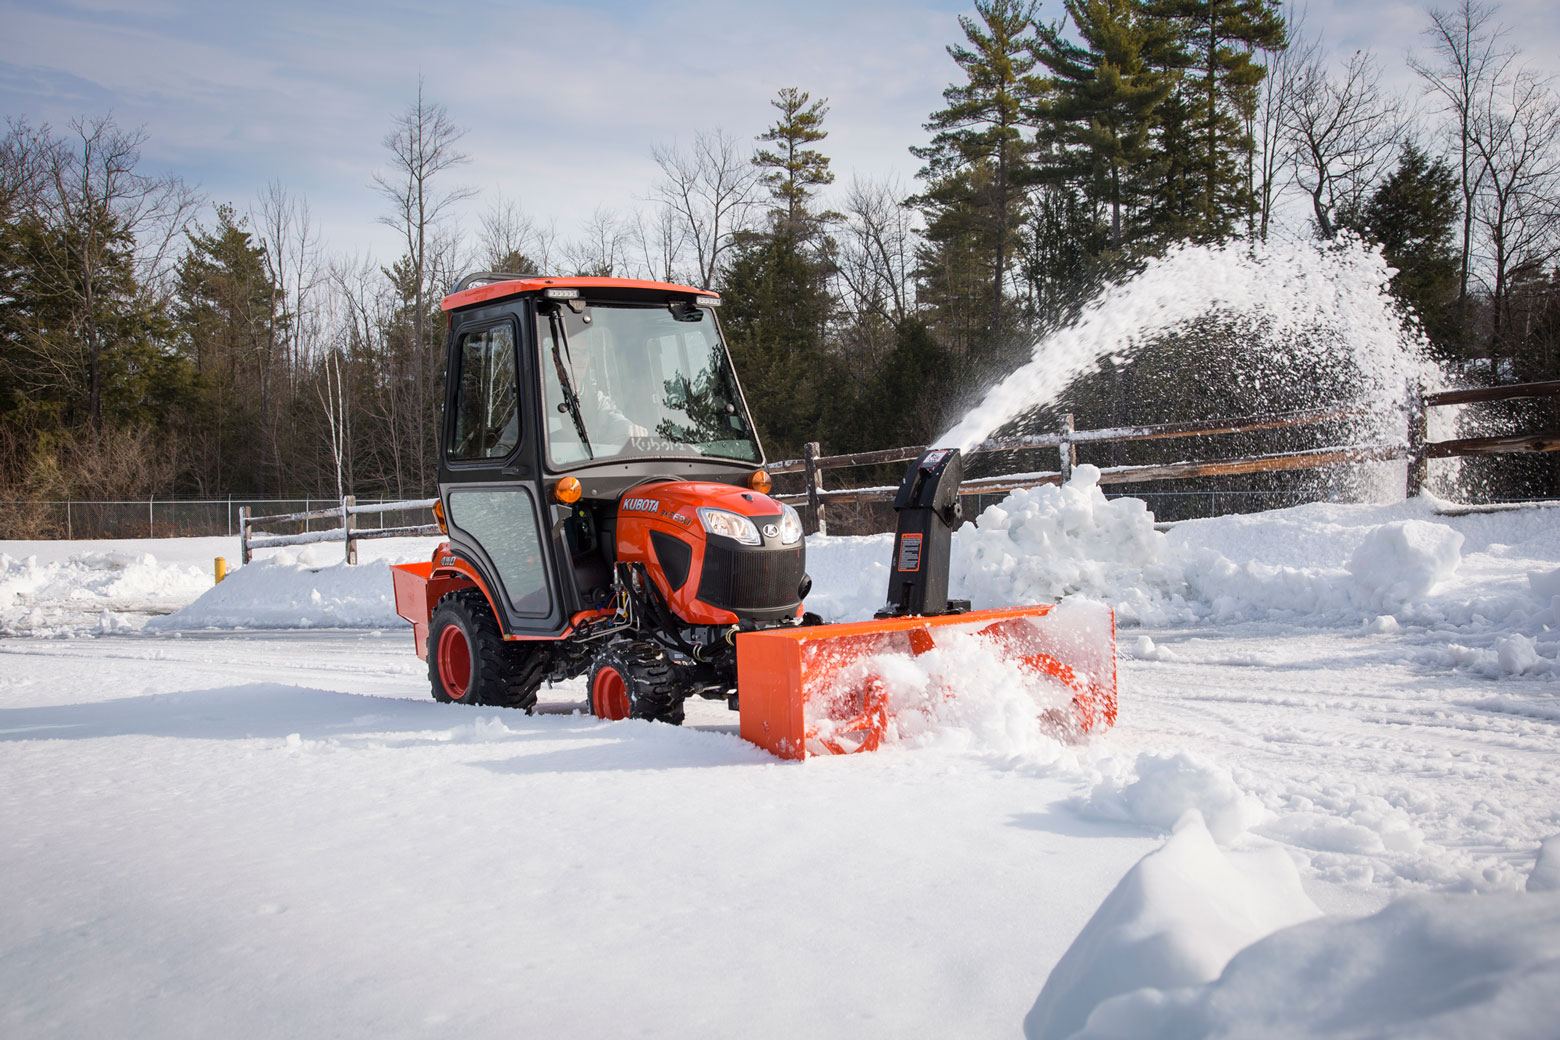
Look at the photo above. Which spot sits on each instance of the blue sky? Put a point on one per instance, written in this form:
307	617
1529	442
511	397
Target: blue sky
562	102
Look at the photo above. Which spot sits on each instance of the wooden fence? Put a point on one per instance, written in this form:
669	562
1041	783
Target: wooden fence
1415	447
348	533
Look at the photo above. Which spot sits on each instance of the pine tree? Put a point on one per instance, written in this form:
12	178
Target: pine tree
793	170
978	141
1412	214
1218	96
1098	114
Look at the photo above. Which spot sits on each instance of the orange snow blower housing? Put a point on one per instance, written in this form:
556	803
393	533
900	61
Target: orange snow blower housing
606	505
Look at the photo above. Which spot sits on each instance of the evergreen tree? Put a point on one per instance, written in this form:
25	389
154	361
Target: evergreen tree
793	171
1098	114
1413	214
978	160
777	306
1217	99
223	306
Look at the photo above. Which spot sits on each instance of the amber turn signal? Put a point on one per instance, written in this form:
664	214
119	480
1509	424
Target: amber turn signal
567	490
438	515
760	481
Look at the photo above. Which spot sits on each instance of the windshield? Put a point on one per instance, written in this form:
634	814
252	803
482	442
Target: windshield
622	381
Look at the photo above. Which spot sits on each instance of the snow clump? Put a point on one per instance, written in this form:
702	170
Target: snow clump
1160	789
1402	562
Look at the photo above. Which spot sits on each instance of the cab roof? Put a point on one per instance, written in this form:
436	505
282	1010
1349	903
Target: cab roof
516	286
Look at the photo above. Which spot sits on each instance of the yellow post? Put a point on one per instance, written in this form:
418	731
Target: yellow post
220	567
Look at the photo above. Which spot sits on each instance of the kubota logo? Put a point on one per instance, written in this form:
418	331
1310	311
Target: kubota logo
771	531
641	505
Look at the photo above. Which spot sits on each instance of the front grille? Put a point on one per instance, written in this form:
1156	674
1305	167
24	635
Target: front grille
758	579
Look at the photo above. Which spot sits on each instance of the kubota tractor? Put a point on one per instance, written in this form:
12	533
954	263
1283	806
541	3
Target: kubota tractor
607	512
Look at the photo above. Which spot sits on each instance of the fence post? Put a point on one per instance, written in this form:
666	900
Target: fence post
151	521
68	534
1418	426
1067	449
348	525
243	534
814	520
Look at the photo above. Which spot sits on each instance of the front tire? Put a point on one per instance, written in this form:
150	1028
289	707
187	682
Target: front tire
636	679
469	661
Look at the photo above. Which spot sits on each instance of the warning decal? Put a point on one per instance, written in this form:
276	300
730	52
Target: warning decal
909	553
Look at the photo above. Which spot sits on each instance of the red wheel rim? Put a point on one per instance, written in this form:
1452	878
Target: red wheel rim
609	694
454	662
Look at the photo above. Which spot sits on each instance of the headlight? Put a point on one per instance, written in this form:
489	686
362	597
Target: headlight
790	525
729	525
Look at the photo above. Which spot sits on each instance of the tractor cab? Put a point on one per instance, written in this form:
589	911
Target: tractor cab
600	477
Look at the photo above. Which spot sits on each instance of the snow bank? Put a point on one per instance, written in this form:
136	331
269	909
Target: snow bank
1174	920
102	590
1383	569
294	589
1426	967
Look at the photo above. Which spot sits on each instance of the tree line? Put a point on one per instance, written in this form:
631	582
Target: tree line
152	344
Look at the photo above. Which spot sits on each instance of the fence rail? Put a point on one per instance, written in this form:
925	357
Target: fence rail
1414	447
349	534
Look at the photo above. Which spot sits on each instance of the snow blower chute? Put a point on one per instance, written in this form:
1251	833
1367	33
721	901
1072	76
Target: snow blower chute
824	689
609	516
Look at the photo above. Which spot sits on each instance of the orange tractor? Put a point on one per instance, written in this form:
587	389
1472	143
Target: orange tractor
608	514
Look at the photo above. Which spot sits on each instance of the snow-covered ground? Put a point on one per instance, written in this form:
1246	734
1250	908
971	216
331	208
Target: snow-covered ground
235	810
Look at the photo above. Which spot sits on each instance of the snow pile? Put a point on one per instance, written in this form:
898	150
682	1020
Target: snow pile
94	591
1400	563
1427	967
1040	544
1159	789
1174	920
295	589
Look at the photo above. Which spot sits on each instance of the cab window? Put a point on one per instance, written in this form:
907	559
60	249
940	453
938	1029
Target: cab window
487	413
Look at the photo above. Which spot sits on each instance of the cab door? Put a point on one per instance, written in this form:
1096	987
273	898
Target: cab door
488	473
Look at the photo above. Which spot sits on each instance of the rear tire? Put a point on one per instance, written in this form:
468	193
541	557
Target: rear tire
469	661
636	679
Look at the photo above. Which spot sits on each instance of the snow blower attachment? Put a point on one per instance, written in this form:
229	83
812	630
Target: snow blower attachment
828	689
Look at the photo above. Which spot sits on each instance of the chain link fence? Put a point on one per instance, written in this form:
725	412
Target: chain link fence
170	518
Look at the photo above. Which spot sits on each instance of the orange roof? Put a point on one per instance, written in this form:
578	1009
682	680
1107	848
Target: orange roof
497	290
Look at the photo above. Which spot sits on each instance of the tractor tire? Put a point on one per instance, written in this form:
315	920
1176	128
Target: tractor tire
470	663
636	679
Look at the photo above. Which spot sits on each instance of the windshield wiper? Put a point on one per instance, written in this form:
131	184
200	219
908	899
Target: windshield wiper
571	400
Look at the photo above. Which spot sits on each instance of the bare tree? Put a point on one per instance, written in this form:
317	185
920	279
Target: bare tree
601	248
877	250
96	205
422	147
709	189
1467	56
1342	131
1515	132
1270	153
510	240
658	242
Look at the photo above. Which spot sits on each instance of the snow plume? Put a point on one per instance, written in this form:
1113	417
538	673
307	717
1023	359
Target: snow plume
1324	306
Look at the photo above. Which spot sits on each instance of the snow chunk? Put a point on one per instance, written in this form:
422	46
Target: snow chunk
1401	562
1175	920
1165	787
1428	967
1546	872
